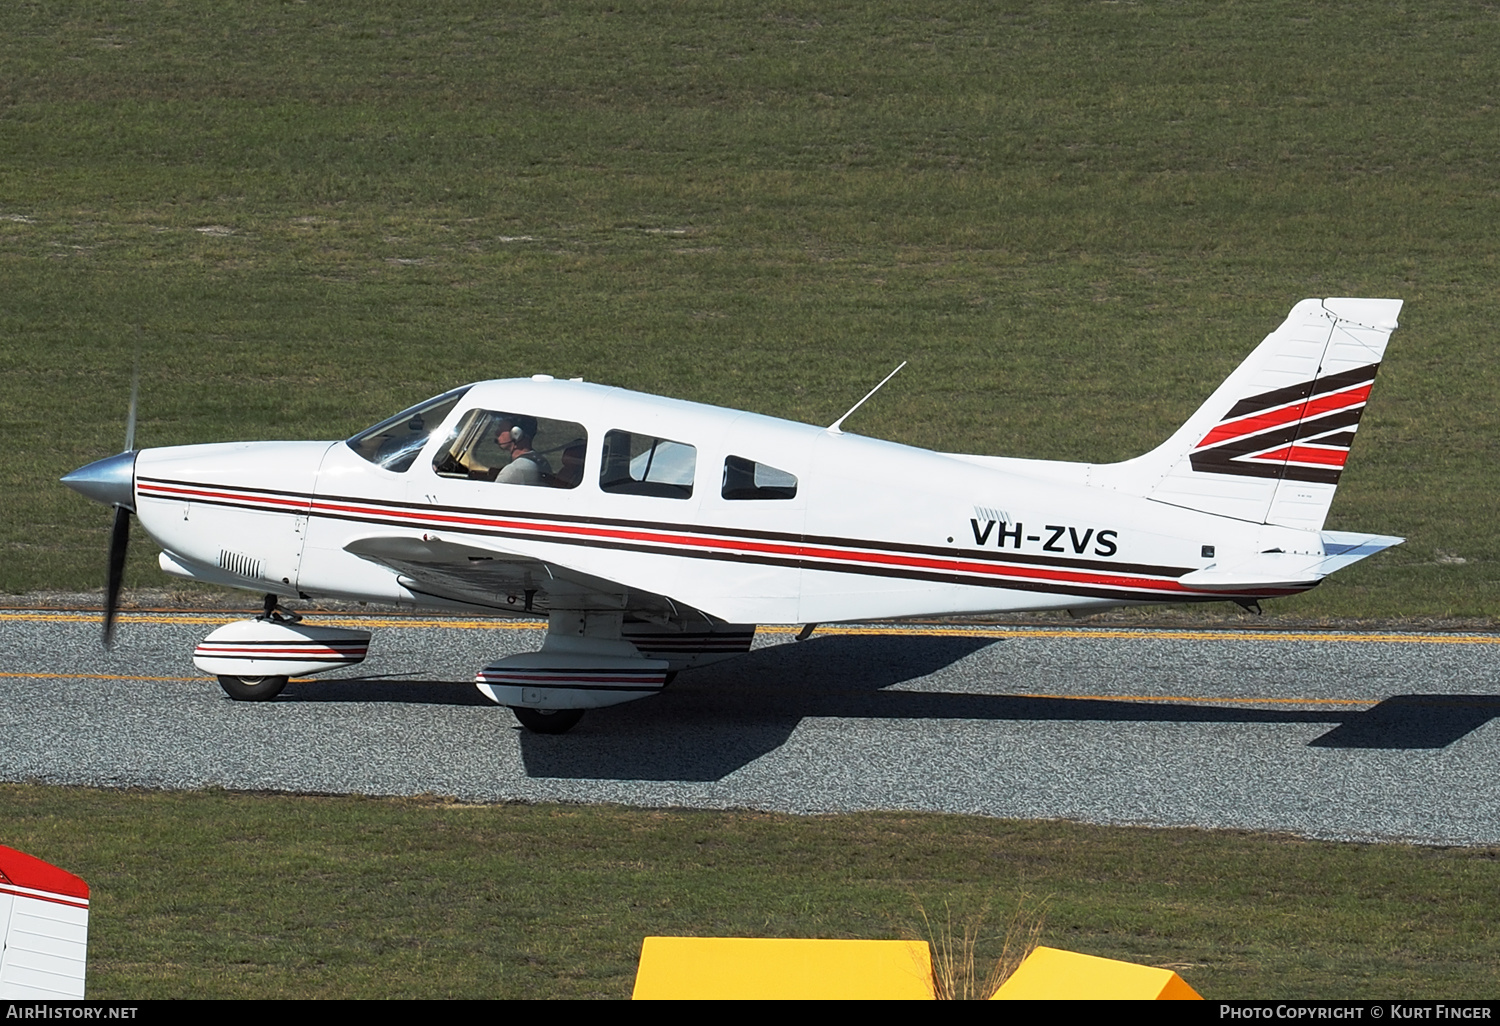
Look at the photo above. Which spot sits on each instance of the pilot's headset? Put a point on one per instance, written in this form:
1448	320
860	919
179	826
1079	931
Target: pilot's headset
522	430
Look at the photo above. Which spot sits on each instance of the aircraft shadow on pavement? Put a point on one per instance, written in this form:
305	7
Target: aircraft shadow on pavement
716	720
713	721
1413	721
364	690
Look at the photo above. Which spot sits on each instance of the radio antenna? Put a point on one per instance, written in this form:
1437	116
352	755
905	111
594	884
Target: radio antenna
837	426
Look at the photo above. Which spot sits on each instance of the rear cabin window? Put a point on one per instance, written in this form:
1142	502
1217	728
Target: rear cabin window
747	479
395	443
514	448
637	464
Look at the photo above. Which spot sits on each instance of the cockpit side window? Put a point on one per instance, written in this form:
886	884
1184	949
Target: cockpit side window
747	479
395	443
514	448
637	464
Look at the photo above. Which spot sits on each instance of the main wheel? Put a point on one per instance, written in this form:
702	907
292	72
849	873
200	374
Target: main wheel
547	721
252	689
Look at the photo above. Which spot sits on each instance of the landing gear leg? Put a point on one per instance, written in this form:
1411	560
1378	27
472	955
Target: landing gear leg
272	611
584	663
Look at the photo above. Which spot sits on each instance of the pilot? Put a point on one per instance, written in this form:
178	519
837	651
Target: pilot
517	433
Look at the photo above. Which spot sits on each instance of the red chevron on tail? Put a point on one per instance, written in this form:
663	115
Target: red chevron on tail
1299	433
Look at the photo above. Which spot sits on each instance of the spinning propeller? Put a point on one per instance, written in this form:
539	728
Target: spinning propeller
112	481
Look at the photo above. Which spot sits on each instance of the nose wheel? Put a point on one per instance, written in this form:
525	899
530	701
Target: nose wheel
251	689
547	721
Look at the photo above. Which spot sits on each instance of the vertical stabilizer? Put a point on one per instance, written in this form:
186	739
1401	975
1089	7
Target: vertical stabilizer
1270	444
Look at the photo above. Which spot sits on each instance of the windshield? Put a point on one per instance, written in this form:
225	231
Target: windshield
395	443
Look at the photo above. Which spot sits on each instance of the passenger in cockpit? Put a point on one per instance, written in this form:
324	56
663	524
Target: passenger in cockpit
571	472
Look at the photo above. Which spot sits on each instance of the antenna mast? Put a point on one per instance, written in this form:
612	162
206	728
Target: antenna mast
837	426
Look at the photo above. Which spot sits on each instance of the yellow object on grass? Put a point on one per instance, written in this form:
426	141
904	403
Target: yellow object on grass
755	967
1050	973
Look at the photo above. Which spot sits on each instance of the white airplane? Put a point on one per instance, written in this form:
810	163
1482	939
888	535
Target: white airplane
655	533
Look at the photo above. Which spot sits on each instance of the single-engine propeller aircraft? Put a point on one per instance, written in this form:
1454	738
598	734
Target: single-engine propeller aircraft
654	534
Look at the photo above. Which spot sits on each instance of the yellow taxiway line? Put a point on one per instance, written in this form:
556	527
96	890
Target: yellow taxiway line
996	631
90	676
1075	698
1018	632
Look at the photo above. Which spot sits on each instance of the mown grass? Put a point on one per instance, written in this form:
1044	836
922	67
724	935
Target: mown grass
1073	218
270	896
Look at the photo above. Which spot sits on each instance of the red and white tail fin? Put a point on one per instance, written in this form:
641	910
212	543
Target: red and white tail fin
44	929
1269	446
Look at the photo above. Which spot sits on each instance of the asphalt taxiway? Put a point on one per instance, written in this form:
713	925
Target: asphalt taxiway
1337	735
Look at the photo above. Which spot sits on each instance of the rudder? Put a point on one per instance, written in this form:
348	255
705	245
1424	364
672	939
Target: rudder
1270	444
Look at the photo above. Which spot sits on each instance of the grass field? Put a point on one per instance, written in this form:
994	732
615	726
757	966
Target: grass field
1074	219
237	895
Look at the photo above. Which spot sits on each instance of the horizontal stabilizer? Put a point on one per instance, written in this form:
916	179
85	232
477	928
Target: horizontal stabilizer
1251	579
1341	548
1272	572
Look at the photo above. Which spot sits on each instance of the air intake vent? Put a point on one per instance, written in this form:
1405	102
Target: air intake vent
236	563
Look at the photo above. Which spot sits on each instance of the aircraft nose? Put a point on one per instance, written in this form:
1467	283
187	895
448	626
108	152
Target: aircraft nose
110	481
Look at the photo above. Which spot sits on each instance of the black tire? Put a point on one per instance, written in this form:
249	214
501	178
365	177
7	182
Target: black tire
547	721
252	689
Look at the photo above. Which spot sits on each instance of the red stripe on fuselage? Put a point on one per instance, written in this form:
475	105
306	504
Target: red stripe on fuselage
155	490
565	532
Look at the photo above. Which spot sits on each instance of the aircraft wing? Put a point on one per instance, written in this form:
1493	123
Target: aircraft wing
492	576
